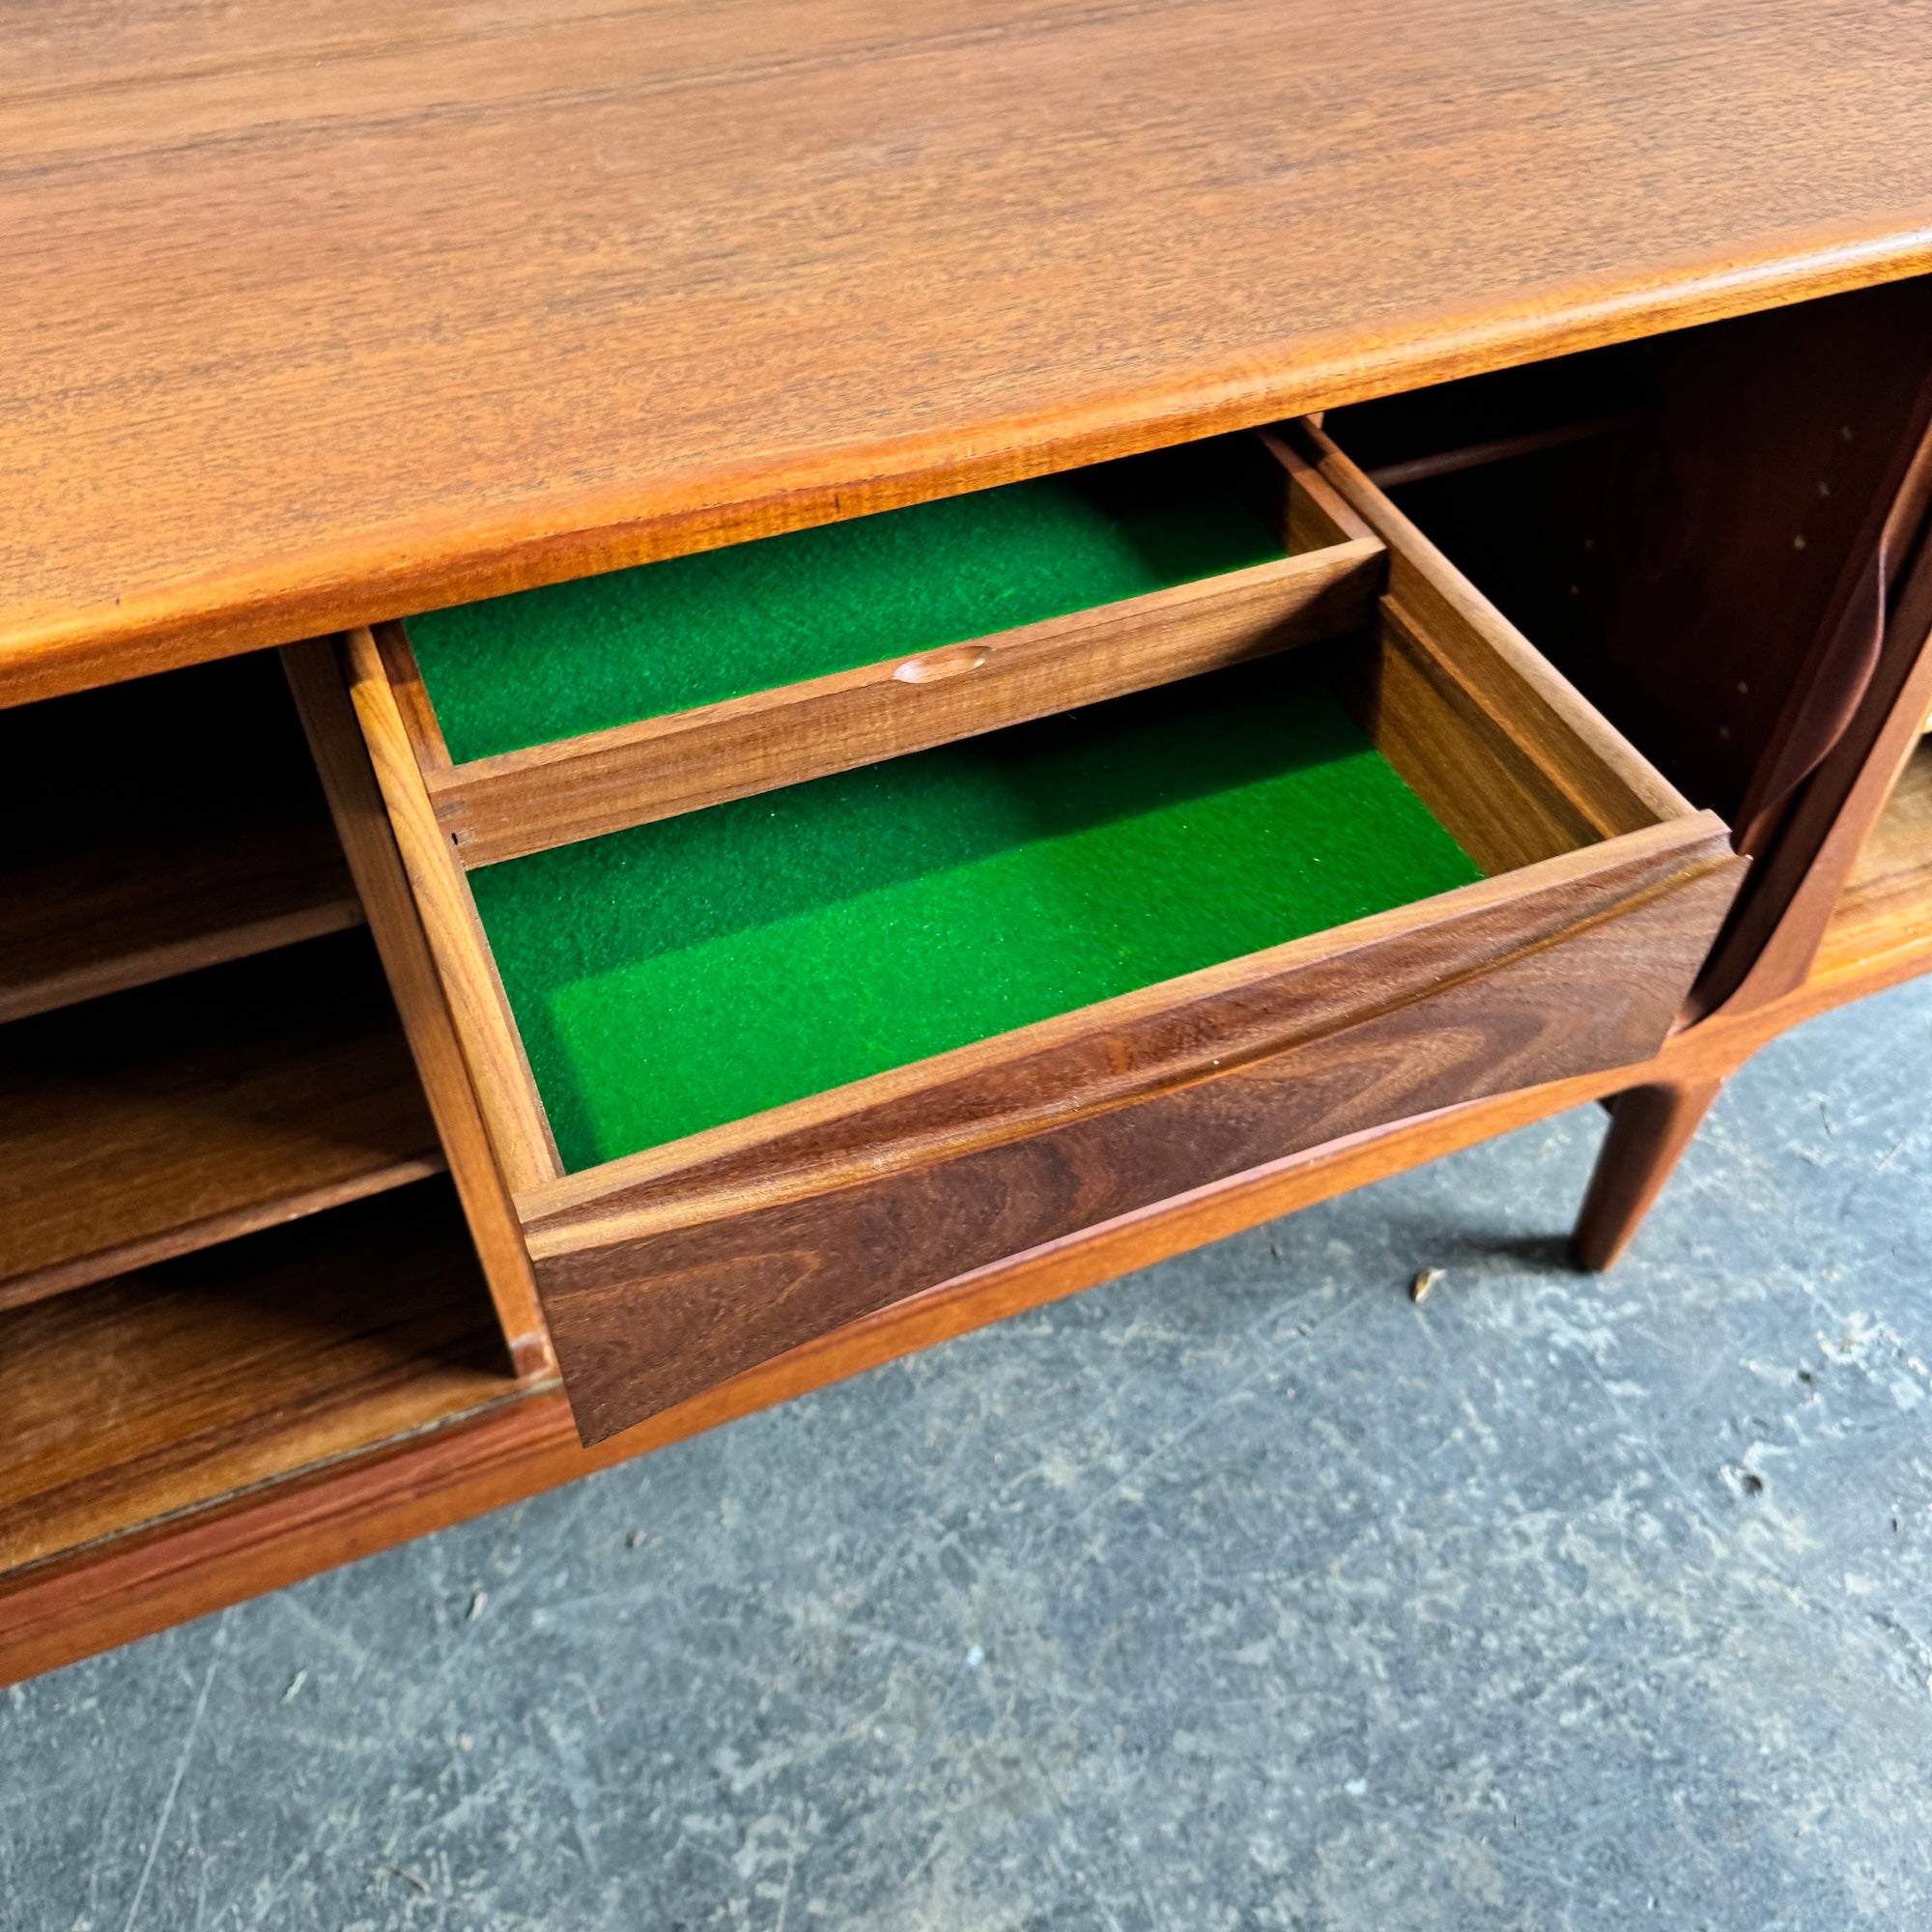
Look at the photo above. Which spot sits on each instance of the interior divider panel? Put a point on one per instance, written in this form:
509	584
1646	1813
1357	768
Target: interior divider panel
757	1070
343	760
737	671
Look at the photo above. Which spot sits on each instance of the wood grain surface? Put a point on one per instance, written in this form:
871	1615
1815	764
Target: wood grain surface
324	313
440	906
1886	903
660	1288
362	823
180	1115
176	1387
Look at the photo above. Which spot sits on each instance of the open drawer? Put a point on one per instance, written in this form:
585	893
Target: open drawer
762	1068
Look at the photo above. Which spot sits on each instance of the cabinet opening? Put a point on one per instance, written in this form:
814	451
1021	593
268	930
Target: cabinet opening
158	825
173	1116
1676	524
184	1384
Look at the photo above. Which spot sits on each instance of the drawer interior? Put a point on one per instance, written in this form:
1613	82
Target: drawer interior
683	974
678	971
575	658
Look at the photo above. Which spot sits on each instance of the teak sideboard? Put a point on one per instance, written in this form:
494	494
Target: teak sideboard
695	696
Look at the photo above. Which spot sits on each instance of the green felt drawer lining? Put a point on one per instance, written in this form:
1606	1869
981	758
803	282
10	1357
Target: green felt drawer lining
556	663
700	969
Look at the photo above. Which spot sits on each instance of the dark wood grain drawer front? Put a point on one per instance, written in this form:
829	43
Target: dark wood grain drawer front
656	1290
758	1069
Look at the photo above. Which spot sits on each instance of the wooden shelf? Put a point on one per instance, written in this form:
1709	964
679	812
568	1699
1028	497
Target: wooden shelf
156	1393
160	826
169	1117
1886	908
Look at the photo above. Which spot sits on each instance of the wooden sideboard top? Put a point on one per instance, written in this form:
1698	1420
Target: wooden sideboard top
326	312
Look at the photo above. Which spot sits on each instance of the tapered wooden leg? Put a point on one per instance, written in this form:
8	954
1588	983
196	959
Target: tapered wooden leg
1650	1128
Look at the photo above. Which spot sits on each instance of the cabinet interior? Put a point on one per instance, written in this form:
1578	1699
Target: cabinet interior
226	1253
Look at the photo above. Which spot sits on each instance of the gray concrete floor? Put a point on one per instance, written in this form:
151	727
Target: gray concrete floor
1237	1594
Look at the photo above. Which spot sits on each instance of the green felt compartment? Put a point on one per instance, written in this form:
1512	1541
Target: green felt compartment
556	663
704	968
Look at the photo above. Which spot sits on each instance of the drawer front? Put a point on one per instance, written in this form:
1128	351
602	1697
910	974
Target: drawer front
657	1290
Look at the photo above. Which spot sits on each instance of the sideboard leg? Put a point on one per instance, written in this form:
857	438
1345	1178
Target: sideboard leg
1650	1128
